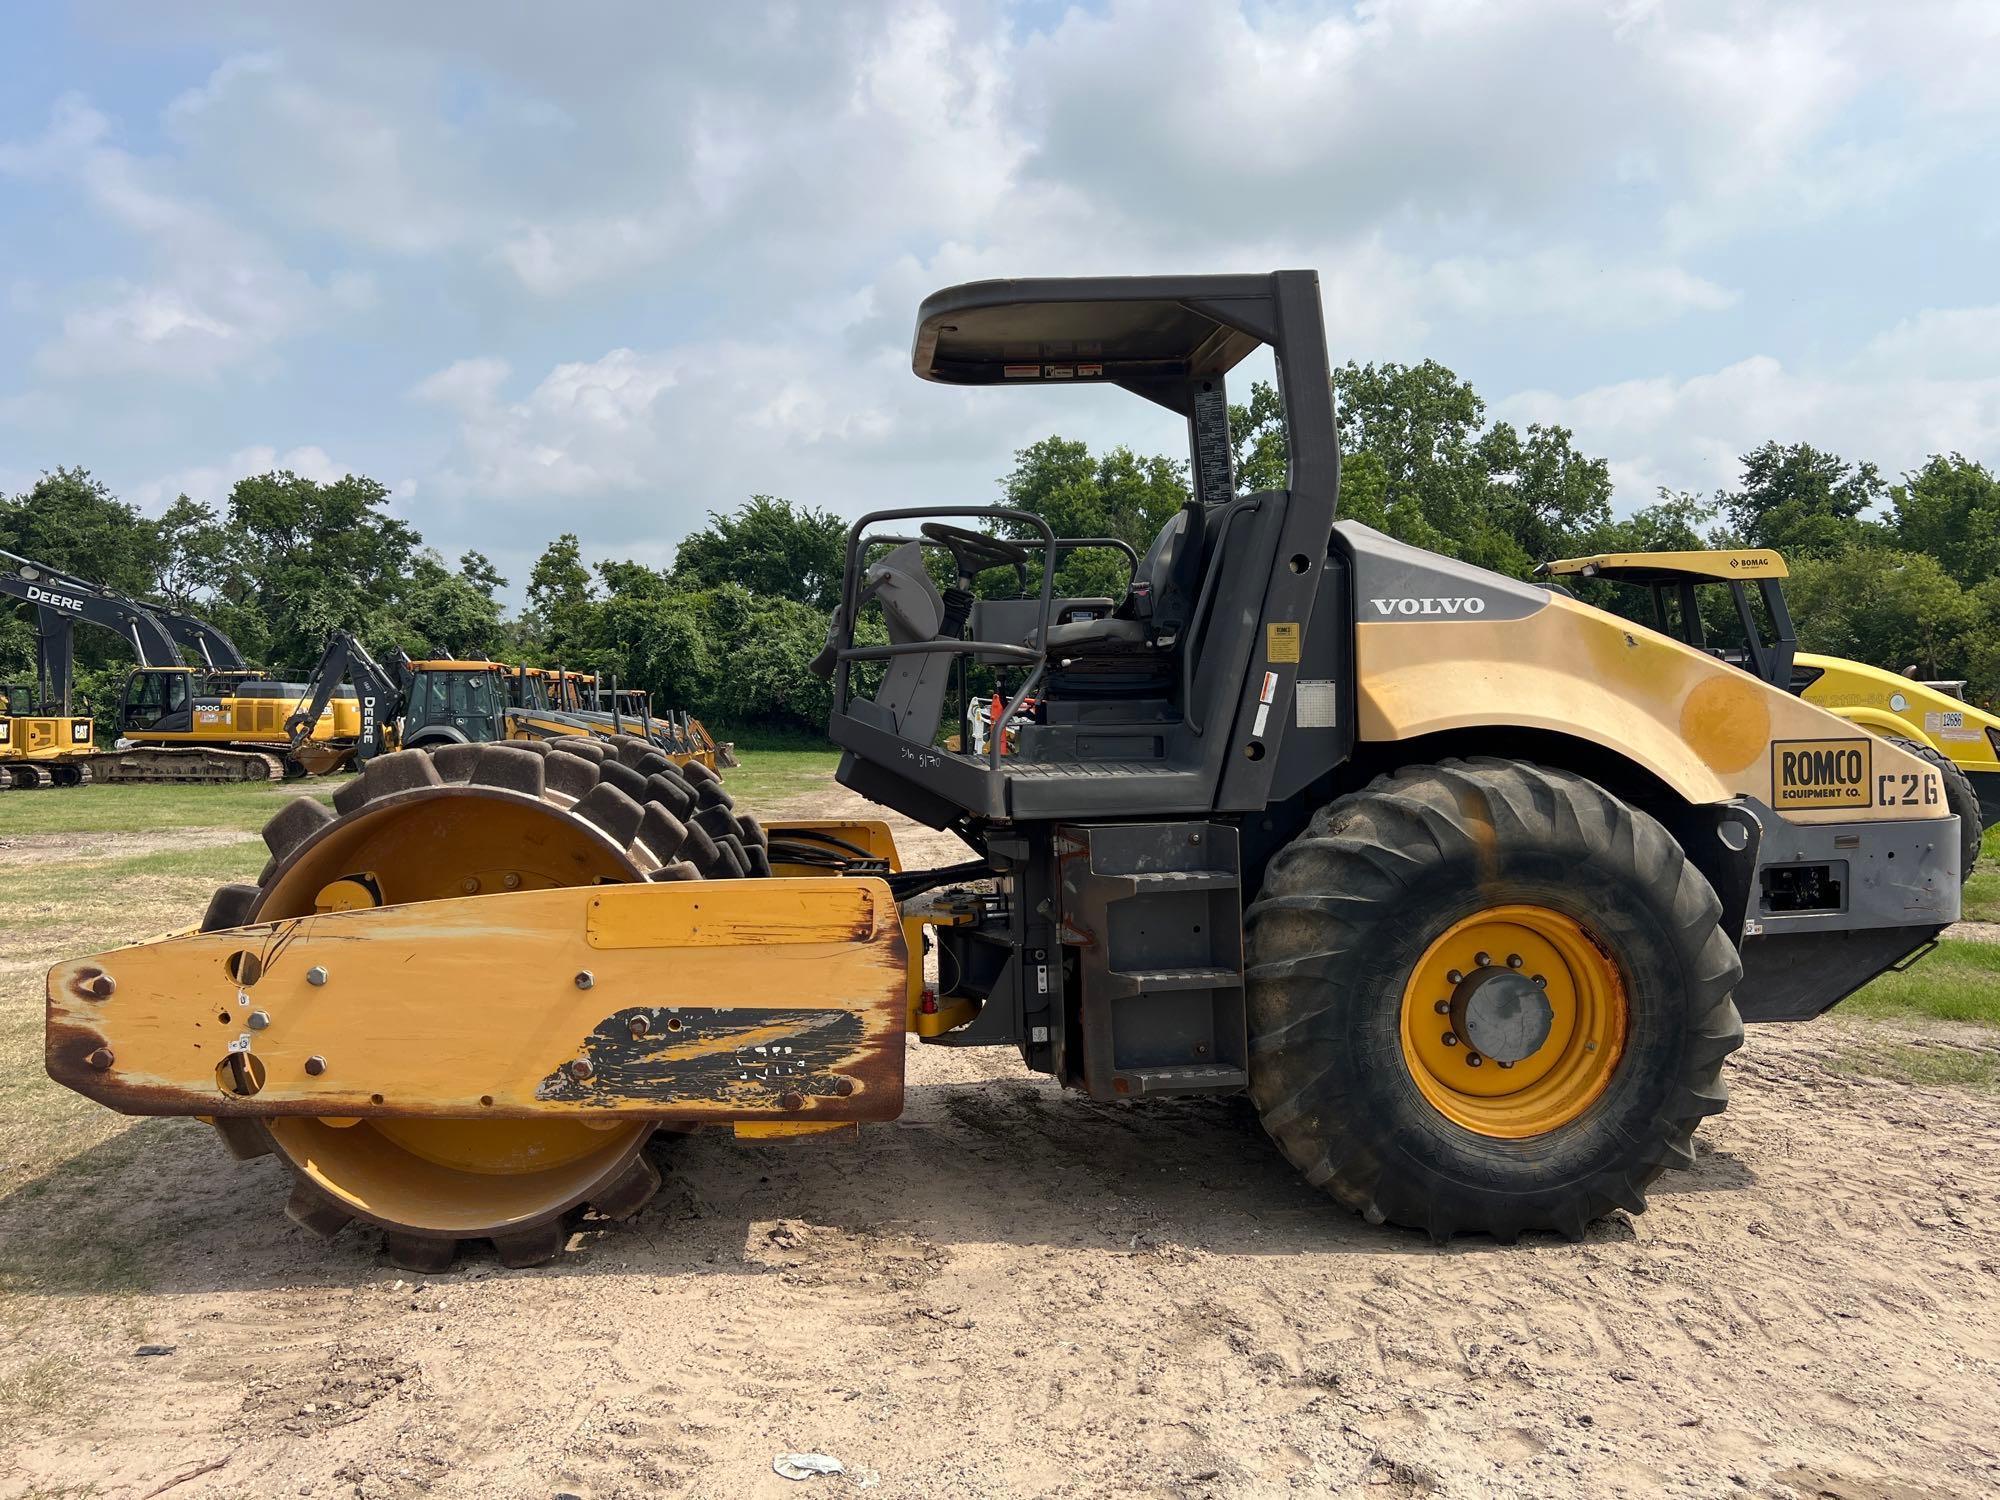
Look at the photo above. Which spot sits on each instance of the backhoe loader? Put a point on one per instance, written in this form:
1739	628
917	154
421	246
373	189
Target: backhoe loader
1467	885
220	722
552	701
608	709
1961	741
418	705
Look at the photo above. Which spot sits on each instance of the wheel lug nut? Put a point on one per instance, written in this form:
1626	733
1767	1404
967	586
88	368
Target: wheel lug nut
1506	1065
1513	960
1481	959
1454	977
1473	1059
1451	1039
1443	1007
1541	982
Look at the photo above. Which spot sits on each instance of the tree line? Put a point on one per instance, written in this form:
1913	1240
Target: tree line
1902	573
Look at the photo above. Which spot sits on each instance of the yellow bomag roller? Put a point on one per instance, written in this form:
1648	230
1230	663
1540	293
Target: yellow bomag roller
1467	885
1961	741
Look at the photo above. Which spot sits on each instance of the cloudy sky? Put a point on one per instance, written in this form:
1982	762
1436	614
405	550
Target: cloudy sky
602	267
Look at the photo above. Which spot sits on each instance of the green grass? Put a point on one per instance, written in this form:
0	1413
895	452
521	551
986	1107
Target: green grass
785	770
768	776
150	809
1959	981
1982	892
89	879
761	740
1954	1067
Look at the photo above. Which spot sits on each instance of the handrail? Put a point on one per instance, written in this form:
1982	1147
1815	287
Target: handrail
851	577
848	653
1199	619
999	727
930	648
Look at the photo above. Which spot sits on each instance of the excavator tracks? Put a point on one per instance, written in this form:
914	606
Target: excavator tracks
195	765
30	775
464	820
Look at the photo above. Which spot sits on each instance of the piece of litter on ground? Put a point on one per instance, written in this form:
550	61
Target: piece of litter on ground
864	1479
147	1351
805	1465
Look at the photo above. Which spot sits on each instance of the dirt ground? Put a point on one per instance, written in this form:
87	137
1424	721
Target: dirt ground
1013	1291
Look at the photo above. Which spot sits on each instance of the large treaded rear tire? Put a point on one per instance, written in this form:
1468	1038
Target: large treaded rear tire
1345	913
1959	797
663	824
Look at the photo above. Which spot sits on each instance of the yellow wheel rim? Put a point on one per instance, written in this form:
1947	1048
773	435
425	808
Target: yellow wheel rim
1549	1062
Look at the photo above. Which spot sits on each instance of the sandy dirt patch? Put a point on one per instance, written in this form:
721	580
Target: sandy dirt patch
1014	1291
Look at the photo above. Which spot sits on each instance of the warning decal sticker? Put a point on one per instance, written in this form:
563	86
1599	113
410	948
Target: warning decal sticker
1316	704
1281	641
1821	773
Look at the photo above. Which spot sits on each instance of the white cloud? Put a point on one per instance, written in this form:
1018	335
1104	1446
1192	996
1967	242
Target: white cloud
1567	283
1939	343
211	483
1913	393
661	257
216	296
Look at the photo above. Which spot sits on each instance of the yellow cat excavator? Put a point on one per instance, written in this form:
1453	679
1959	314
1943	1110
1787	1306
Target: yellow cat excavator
41	744
1467	885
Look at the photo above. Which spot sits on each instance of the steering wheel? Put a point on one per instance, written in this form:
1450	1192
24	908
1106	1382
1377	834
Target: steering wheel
974	551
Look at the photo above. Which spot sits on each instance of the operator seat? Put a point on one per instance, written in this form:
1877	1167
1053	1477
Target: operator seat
910	701
1157	604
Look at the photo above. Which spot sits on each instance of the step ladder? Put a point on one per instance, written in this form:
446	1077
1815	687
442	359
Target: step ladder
1154	915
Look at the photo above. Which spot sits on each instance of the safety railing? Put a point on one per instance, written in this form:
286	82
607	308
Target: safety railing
850	588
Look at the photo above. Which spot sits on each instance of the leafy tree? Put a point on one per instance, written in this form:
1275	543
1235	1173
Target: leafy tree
195	562
478	570
450	611
1257	439
559	598
69	520
318	557
1950	508
1543	497
1678	521
1116	494
1894	609
658	639
770	680
769	547
1422	424
1802	501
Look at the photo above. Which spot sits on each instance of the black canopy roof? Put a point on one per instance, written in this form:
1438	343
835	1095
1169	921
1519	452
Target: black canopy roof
1091	327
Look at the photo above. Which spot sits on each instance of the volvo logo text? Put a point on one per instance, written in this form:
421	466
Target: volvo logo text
1470	604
